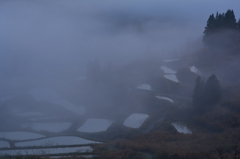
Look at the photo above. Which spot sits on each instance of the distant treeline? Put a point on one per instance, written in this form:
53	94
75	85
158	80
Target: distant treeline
220	24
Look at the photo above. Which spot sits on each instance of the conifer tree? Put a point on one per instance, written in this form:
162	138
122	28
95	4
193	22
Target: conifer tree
206	93
221	30
219	21
210	24
198	91
230	20
212	90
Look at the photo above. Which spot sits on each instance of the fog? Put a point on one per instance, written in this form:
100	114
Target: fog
42	39
48	44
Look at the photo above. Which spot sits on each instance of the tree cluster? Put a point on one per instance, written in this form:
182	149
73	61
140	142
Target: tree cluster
206	93
220	23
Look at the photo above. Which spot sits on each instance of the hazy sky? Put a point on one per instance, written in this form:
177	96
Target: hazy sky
42	38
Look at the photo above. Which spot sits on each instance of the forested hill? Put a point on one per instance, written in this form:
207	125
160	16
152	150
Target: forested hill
220	53
222	31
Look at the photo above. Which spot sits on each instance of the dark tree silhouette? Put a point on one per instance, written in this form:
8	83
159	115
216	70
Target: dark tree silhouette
210	25
221	30
221	21
206	94
212	90
198	92
230	20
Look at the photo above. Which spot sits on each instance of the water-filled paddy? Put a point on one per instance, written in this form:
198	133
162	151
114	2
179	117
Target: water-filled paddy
165	98
95	125
181	128
145	87
19	135
168	70
135	120
47	126
4	144
54	141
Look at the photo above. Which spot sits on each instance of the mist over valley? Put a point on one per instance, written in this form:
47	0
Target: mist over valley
137	79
